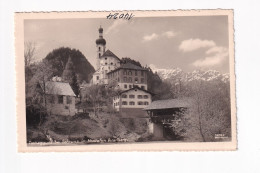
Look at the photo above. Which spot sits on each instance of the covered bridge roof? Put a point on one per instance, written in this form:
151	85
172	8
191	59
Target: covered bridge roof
168	104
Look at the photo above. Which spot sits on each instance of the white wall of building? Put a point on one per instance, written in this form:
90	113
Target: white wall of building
135	93
64	108
107	64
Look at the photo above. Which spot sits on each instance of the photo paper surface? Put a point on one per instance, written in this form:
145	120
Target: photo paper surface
125	81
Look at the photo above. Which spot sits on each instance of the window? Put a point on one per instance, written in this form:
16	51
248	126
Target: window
124	96
99	55
140	96
125	79
52	99
142	80
140	103
135	72
125	86
142	73
136	80
146	103
99	48
97	77
142	87
129	73
60	99
124	103
105	58
106	63
131	103
145	96
111	63
132	96
125	73
129	79
69	100
130	86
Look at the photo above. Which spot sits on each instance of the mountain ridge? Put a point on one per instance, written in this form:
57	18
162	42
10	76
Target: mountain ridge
177	74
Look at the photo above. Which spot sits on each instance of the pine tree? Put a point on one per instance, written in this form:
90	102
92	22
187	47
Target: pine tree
69	75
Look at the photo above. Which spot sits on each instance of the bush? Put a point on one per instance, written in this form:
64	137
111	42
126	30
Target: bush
75	139
81	116
35	115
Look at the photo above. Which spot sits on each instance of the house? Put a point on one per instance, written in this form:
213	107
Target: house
127	76
131	102
60	98
163	113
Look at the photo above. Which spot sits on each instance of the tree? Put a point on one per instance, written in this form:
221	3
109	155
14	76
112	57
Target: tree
161	89
92	96
210	111
69	75
29	53
125	60
82	68
29	58
36	97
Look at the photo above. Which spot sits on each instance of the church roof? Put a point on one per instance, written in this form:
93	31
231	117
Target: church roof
168	104
58	88
109	53
131	66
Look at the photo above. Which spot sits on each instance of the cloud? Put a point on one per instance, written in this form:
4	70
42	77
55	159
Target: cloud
216	49
150	37
194	44
169	34
220	56
115	25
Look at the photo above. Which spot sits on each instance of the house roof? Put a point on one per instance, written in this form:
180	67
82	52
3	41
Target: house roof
128	66
136	87
59	88
109	53
168	104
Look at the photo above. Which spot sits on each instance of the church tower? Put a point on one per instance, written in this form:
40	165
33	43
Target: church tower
101	46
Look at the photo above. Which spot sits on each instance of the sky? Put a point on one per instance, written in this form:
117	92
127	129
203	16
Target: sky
186	42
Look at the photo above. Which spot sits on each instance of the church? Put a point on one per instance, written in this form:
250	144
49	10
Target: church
129	78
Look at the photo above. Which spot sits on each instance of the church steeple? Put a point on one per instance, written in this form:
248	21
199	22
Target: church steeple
101	46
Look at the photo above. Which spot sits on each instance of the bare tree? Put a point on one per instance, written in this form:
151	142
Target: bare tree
29	53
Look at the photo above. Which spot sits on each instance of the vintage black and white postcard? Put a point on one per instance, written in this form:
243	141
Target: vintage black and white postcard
125	81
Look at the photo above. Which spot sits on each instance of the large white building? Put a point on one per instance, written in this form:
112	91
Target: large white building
129	78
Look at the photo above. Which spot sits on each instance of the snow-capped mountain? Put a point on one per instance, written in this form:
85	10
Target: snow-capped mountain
179	74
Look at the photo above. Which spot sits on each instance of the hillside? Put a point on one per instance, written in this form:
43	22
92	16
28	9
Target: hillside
59	57
88	126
